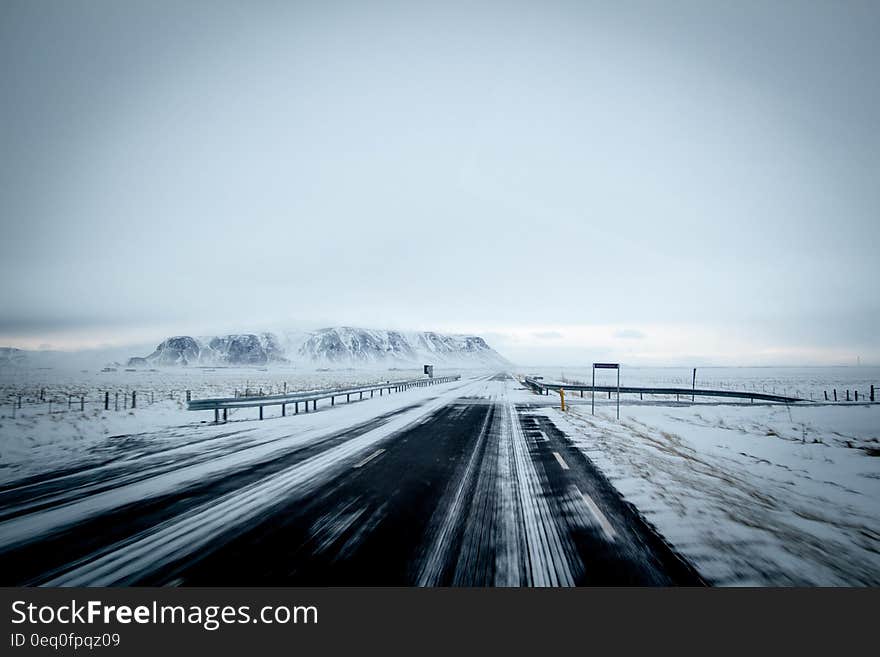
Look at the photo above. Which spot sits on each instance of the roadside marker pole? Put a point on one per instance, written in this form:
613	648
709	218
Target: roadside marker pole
618	392
593	399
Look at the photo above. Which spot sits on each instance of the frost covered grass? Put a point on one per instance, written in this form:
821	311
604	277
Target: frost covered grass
752	495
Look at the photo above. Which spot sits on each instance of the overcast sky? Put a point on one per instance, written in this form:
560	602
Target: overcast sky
660	182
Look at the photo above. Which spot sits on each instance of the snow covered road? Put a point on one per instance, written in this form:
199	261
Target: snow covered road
461	484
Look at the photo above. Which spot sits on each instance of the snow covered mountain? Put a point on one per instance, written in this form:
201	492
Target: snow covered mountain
245	349
339	346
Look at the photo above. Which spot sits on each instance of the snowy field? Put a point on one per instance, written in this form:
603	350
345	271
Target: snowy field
752	495
801	382
167	383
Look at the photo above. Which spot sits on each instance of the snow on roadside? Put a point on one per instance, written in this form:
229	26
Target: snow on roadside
752	495
34	442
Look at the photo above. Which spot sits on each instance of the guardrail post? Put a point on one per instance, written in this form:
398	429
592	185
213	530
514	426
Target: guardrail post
106	400
134	398
332	400
348	398
82	403
315	405
847	394
296	408
216	416
116	407
189	395
857	395
261	412
283	410
224	415
872	392
834	390
826	394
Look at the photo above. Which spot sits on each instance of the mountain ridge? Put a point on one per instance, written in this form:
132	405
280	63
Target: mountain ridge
339	345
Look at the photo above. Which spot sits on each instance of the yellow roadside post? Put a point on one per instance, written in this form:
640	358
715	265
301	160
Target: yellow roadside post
562	399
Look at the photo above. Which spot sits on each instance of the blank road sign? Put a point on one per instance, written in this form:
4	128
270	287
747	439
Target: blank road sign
607	366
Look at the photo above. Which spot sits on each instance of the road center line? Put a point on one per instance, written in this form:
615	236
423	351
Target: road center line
562	464
607	529
361	464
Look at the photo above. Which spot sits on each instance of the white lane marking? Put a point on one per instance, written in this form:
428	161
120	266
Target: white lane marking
607	529
546	559
562	464
361	464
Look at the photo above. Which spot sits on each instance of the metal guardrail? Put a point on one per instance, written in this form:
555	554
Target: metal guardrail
309	396
543	388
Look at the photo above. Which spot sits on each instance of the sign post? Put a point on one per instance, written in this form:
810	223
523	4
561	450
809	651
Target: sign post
605	366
